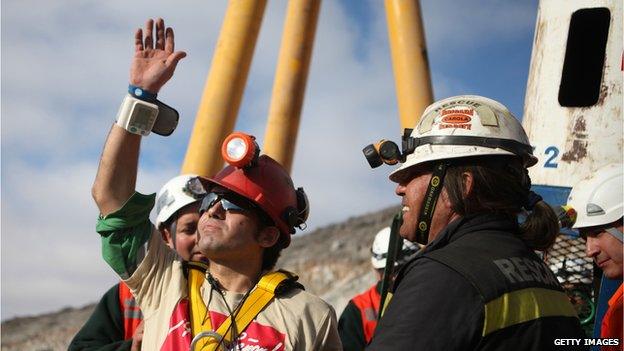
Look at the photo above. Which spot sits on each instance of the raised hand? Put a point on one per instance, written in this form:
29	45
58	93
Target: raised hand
154	63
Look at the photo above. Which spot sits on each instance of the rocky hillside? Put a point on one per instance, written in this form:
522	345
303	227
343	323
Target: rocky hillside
332	262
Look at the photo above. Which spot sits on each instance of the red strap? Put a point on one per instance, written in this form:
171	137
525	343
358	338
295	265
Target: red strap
130	311
368	304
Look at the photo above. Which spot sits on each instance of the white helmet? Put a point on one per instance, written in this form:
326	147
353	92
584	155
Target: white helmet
175	194
380	250
598	199
465	126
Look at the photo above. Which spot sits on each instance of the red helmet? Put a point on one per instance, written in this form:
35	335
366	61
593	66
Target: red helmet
267	184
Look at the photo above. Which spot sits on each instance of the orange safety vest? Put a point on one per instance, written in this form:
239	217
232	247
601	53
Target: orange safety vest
368	304
130	311
612	321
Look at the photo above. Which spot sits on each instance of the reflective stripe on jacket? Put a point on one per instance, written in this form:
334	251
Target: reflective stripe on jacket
130	311
368	304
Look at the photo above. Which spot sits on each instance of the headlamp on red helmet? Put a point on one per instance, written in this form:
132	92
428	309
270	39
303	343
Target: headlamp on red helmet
262	181
240	150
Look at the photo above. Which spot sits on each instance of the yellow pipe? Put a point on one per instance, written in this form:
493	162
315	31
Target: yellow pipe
290	80
224	87
409	59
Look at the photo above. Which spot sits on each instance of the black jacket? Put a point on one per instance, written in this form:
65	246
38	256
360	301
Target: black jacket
477	286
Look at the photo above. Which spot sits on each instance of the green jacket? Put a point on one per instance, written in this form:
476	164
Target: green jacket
123	233
103	330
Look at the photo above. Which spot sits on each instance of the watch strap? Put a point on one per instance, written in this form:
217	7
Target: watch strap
141	93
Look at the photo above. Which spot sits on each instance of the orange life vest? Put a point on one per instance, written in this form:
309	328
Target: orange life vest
612	321
130	311
368	304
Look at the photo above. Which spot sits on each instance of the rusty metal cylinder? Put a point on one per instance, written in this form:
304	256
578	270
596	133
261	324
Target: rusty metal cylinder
290	80
409	59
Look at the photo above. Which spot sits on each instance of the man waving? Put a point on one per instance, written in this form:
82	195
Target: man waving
247	216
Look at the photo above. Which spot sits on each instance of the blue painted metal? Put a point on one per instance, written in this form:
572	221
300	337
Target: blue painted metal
554	195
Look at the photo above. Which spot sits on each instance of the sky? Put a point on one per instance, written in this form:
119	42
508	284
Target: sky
64	72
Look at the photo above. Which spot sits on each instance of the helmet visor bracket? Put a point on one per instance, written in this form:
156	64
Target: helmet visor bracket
194	188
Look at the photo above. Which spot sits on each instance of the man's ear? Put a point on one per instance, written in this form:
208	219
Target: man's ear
268	236
467	180
166	236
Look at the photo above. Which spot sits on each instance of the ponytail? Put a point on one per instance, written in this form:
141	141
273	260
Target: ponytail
541	227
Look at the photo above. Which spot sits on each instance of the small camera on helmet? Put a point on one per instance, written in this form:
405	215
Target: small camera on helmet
388	152
384	151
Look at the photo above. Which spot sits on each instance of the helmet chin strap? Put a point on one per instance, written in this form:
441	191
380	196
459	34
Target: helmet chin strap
429	203
616	233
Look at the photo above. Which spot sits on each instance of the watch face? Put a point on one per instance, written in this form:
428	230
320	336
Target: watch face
142	117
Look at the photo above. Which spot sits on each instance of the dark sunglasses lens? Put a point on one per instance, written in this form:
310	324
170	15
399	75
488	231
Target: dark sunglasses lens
208	201
211	199
230	206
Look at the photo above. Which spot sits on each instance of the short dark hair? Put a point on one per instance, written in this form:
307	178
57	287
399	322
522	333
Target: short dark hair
589	231
271	254
501	184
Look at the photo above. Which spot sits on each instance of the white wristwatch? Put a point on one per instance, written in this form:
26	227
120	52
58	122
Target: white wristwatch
137	116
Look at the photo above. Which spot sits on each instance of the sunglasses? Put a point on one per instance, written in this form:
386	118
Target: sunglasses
228	204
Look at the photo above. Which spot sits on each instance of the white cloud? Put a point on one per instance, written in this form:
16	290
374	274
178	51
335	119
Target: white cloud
50	251
64	71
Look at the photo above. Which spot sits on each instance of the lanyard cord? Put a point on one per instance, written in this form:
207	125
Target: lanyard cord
233	315
215	285
251	304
